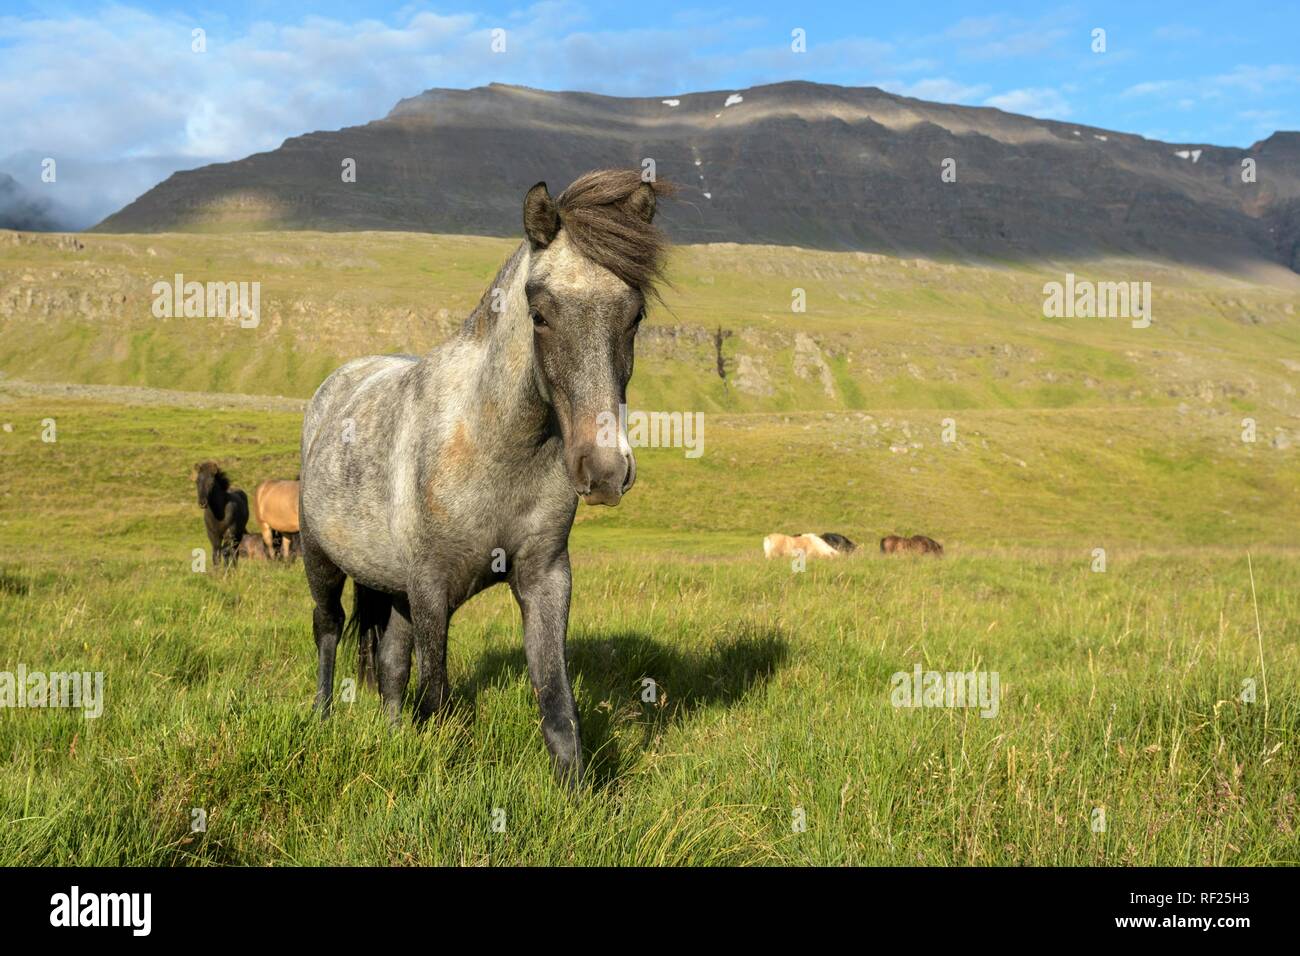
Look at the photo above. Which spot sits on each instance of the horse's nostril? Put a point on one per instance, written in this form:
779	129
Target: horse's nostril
581	476
601	476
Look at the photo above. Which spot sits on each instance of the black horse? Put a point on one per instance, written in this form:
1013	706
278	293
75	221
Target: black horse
225	512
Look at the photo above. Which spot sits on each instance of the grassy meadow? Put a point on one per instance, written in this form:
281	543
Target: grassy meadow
1119	690
910	397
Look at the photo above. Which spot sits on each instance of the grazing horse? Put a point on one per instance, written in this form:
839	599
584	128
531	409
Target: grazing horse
427	479
809	545
253	548
917	544
838	542
275	506
225	511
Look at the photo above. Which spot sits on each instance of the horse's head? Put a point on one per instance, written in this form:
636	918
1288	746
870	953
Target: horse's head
206	476
595	259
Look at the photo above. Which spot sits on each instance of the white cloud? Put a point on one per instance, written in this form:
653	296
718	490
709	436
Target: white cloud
1254	81
122	94
941	89
1042	102
122	88
1000	37
1258	80
1152	88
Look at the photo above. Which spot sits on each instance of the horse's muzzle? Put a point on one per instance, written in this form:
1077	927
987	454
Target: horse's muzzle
602	476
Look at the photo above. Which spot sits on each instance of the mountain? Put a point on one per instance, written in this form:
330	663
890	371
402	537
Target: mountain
795	163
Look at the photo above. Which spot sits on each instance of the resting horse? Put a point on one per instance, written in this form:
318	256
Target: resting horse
428	479
252	548
838	542
225	511
807	545
916	544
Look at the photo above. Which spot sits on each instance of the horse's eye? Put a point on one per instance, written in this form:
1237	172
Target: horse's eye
538	321
640	317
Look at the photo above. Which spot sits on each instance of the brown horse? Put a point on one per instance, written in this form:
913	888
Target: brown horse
275	505
253	549
916	544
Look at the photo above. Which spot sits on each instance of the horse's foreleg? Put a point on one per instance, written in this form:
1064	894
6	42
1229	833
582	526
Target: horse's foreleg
214	544
429	616
543	595
229	549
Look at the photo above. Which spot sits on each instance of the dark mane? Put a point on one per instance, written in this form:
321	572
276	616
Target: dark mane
594	213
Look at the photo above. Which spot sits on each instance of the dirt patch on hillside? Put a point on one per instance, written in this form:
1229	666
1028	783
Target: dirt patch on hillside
138	395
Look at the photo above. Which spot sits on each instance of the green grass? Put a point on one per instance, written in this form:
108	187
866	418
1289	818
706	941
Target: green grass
1120	690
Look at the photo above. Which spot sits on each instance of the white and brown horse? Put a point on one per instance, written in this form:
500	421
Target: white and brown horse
809	545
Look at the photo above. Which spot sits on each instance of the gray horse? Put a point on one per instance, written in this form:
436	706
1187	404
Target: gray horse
428	479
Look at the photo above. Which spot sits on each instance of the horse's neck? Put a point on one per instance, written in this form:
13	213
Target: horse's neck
217	501
506	393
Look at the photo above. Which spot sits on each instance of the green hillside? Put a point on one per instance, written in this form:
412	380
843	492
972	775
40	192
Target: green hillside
877	333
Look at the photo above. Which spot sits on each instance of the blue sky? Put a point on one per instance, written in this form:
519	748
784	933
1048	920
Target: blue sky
115	93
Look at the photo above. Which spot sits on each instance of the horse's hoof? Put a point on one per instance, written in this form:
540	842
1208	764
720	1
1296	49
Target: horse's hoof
571	778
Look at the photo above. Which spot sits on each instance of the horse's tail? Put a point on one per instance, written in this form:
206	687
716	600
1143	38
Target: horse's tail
370	610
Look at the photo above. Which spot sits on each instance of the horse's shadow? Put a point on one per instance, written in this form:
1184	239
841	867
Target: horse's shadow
629	679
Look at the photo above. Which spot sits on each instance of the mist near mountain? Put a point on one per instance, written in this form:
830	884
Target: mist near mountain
21	210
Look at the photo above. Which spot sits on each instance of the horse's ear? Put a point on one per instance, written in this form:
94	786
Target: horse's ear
642	202
541	218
